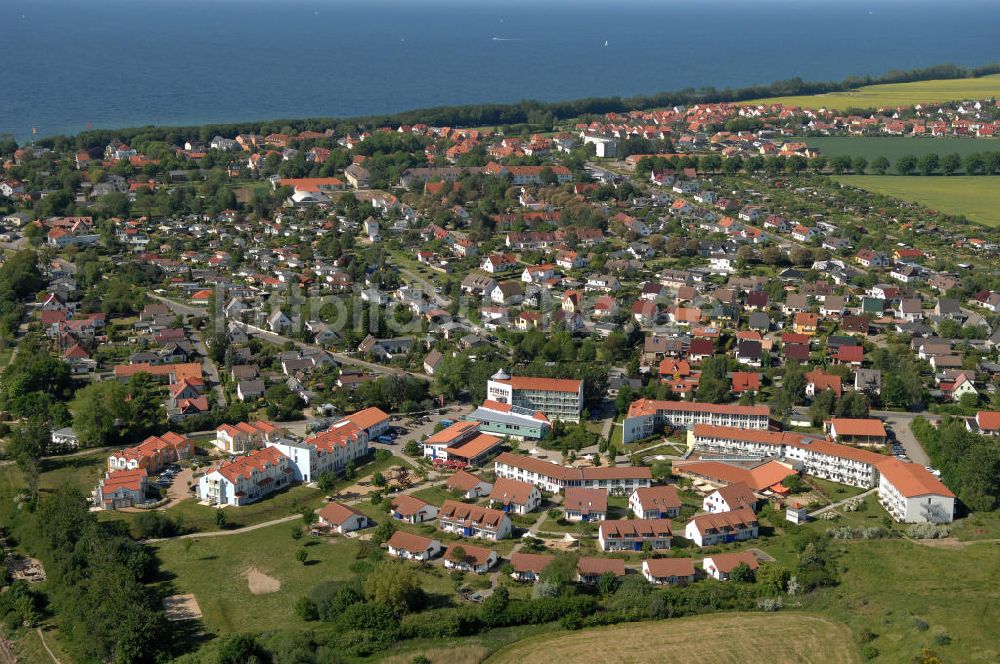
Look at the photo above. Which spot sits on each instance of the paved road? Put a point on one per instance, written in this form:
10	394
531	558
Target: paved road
342	358
899	422
428	288
210	370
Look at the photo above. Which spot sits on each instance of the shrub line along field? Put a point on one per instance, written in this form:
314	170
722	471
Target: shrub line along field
897	94
745	638
976	197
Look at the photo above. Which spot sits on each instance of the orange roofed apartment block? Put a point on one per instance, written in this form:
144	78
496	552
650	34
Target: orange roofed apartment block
152	454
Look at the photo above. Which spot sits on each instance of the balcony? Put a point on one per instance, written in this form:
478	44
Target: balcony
934	513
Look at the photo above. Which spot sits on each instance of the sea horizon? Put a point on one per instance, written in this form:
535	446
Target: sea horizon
111	64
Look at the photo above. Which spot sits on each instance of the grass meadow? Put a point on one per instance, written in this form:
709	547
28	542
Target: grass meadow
976	197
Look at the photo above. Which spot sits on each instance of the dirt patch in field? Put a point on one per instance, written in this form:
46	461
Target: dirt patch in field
454	655
260	583
181	607
952	542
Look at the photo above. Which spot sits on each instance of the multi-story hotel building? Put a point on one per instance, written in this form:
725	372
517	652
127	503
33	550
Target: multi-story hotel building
556	398
818	457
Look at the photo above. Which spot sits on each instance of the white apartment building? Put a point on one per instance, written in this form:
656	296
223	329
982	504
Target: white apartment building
554	478
245	436
473	521
331	450
911	494
646	417
819	458
248	479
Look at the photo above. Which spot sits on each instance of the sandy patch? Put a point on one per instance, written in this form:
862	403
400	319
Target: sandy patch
951	542
181	607
260	583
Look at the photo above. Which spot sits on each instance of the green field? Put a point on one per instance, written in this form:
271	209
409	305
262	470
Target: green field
214	570
745	638
898	94
976	197
892	148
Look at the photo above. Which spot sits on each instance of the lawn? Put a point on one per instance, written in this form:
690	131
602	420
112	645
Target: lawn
435	495
976	197
892	148
743	638
898	94
214	568
201	518
84	471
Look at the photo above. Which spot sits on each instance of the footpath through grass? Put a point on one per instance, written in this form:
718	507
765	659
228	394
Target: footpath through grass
898	94
976	197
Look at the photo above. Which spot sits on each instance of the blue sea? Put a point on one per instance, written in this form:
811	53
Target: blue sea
117	63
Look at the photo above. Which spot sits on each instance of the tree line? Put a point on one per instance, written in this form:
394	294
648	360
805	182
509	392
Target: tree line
969	463
97	584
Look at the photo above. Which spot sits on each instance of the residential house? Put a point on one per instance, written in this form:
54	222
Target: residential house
655	502
711	529
469	558
515	496
341	518
720	566
528	567
411	509
585	505
590	570
634	534
473	520
730	497
469	486
408	546
669	571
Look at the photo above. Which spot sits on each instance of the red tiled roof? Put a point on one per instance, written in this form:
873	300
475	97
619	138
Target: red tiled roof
409	542
599	566
257	460
858	427
338	513
651	406
511	492
910	479
529	562
727	562
665	567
